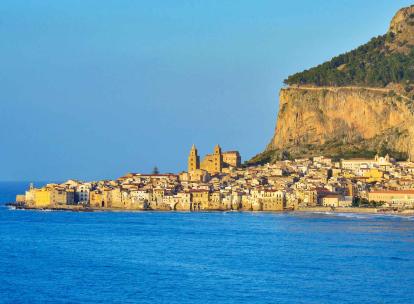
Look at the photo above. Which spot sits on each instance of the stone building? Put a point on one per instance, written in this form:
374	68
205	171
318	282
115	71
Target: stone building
357	163
51	195
331	200
213	163
96	199
82	194
393	198
193	160
232	159
199	199
273	200
42	197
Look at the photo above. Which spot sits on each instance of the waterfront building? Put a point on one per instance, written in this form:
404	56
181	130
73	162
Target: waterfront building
199	199
219	183
273	200
115	198
345	201
82	194
399	198
96	199
330	200
51	195
184	203
42	197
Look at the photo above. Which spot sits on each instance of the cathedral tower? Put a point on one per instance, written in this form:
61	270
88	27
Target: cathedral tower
217	159
193	160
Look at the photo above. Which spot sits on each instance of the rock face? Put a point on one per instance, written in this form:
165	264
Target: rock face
402	28
338	121
349	121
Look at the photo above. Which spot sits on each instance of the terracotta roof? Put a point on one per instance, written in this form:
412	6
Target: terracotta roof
319	189
359	159
393	191
159	175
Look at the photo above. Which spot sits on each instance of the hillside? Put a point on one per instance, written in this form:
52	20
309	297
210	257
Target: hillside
386	59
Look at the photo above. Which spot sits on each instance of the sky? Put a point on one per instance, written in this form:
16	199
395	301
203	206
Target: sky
93	89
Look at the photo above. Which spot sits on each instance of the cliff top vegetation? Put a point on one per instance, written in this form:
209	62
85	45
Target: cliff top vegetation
369	65
384	60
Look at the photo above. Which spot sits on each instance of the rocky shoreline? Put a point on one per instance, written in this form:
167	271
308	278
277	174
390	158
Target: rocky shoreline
355	210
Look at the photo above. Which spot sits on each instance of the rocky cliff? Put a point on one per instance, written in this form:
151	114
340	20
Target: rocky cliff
334	110
401	28
344	121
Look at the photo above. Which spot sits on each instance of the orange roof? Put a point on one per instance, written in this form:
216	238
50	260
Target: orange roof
359	159
332	196
159	175
393	191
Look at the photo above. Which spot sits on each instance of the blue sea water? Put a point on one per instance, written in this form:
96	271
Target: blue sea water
156	257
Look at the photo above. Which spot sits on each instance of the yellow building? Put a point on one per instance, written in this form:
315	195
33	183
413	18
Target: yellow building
213	163
374	175
193	160
20	198
184	203
199	175
273	200
42	197
97	199
246	203
199	199
115	198
232	159
331	200
61	196
50	196
399	198
215	201
357	163
158	194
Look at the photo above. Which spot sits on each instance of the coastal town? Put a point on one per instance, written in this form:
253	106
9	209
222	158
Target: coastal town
220	182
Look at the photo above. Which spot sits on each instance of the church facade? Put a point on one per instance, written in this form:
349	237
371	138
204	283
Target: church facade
213	163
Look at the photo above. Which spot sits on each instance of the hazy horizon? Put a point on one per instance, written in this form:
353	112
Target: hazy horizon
94	90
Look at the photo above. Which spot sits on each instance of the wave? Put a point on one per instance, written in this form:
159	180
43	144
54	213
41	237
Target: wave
350	215
356	215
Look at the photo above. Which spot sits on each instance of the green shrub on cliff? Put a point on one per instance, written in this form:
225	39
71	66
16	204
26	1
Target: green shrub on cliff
369	65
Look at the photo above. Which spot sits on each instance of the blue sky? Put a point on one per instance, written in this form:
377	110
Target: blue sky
93	89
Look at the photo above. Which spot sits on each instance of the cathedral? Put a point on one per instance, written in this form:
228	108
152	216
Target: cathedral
213	163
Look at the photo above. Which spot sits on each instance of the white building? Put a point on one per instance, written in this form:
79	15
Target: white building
82	194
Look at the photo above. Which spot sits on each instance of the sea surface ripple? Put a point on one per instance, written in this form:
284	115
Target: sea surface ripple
228	257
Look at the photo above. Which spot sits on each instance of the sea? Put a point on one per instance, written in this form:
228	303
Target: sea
203	257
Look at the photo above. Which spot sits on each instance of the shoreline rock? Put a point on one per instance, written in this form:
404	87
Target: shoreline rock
320	209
